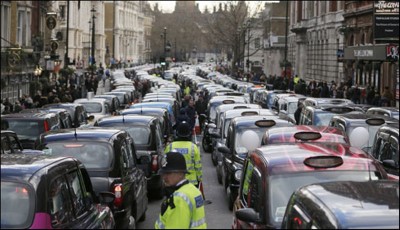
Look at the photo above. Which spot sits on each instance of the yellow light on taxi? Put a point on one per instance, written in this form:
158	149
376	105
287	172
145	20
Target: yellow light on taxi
73	145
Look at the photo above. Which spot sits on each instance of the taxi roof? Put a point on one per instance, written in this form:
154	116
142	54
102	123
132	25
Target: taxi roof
22	166
137	119
238	112
289	157
359	204
81	133
288	132
249	121
353	117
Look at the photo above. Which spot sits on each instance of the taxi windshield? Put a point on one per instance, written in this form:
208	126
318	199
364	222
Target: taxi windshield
282	186
92	107
17	205
323	118
248	139
93	155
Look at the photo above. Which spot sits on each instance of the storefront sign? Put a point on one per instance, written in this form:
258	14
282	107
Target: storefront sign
363	53
386	15
372	53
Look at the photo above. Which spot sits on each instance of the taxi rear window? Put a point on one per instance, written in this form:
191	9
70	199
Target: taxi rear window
17	205
93	155
24	128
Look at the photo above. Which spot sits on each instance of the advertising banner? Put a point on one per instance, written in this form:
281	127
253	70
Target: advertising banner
386	15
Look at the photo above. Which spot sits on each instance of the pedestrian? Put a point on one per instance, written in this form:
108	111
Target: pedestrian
183	207
356	95
191	113
297	113
201	108
184	145
8	104
387	97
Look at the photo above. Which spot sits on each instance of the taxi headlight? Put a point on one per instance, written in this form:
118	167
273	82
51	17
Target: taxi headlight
238	174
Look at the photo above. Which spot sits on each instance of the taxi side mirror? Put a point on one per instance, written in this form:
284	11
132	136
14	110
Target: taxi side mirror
212	126
248	215
389	163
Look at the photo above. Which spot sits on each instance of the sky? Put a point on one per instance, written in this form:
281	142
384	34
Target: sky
169	6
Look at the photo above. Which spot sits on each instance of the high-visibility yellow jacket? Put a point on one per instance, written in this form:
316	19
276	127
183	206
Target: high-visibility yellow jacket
192	157
296	80
187	213
187	90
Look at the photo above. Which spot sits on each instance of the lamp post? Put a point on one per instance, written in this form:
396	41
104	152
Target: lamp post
286	37
248	46
90	43
37	72
164	36
93	37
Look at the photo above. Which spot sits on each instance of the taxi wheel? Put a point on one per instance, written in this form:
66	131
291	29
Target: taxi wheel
214	158
132	223
219	176
206	146
230	198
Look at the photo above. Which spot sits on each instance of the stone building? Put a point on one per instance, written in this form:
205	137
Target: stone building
127	29
367	55
314	40
274	38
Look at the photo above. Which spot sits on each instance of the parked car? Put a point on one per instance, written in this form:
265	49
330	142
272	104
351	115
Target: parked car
30	124
44	192
385	149
110	158
63	114
113	101
361	128
98	107
77	111
321	115
166	124
344	205
273	172
164	105
244	135
149	143
315	101
385	111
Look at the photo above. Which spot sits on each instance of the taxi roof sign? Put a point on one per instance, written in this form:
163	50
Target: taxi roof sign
323	161
307	136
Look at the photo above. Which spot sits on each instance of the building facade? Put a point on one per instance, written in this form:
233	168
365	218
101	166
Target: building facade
314	40
274	37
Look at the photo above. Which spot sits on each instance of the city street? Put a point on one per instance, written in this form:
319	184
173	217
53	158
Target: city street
218	215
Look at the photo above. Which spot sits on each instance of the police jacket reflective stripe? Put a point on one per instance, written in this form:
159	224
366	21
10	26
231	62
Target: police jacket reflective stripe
188	211
192	157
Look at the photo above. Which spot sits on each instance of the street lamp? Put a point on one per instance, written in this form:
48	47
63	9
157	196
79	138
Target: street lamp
37	72
164	36
93	37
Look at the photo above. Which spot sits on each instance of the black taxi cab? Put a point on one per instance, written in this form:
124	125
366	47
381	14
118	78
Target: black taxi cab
344	205
109	155
147	133
361	128
273	172
44	192
386	149
244	135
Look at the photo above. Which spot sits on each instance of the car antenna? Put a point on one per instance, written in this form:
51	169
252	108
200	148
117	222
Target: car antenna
123	118
75	135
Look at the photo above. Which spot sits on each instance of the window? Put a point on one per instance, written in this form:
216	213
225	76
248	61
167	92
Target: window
78	198
5	21
257	43
60	203
252	190
23	27
298	219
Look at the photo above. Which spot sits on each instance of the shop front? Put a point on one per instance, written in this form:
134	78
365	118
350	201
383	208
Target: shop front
376	65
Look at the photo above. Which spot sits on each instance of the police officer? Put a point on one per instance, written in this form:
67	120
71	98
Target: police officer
184	145
183	207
